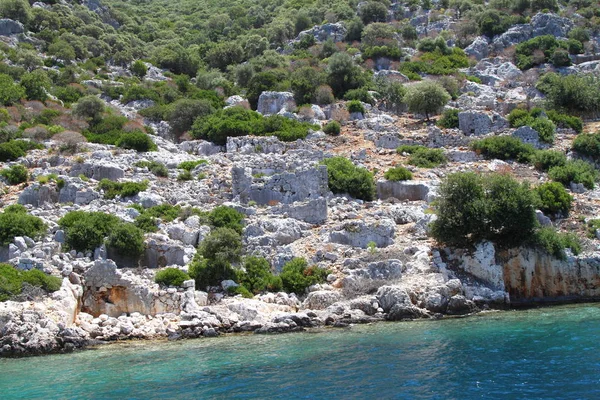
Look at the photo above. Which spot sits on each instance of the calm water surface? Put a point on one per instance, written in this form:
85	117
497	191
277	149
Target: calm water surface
550	353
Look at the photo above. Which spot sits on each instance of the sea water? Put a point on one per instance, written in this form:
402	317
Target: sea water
547	353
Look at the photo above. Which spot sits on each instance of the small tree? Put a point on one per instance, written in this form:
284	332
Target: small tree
10	92
138	68
36	85
89	107
426	98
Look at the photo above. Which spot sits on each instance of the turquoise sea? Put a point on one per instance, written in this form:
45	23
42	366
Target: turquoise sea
548	353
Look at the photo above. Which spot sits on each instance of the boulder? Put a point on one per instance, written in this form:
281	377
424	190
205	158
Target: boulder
530	136
478	49
271	103
479	123
37	194
161	252
334	31
481	263
459	304
274	231
321	299
361	233
404	190
98	171
550	24
9	27
312	211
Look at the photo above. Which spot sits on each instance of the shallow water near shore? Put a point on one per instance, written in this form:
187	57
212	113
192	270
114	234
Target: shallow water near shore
535	354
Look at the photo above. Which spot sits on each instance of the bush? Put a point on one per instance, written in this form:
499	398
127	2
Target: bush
210	272
554	242
15	221
146	223
124	189
15	174
577	171
398	174
136	140
257	277
471	208
554	199
127	240
449	119
543	160
426	98
355	106
297	276
84	231
171	277
11	281
157	168
332	128
422	156
504	148
545	128
226	217
588	145
10	92
565	121
519	117
222	244
14	149
190	165
575	93
345	177
89	107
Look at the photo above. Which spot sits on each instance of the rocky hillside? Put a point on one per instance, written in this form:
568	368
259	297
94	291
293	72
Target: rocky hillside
184	169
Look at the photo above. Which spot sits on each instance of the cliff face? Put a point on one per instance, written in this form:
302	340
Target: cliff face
531	275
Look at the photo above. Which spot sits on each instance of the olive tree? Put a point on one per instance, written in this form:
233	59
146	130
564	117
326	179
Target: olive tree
426	98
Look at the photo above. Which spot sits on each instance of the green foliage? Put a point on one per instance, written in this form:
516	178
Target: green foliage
256	276
297	276
398	174
554	242
171	277
538	51
422	156
124	189
504	148
449	119
373	11
588	144
221	244
210	272
190	165
157	168
565	121
519	117
545	128
426	98
577	171
237	121
146	223
10	92
332	128
138	68
345	177
472	208
543	160
592	226
436	63
226	217
574	93
11	281
343	74
90	107
355	106
84	231
126	239
185	176
361	95
136	140
304	82
36	85
554	199
15	174
15	221
185	111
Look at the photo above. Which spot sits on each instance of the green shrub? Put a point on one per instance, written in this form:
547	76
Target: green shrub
171	277
257	277
15	174
185	175
592	227
166	212
332	128
127	240
190	165
504	148
471	208
361	95
14	149
221	244
449	119
345	177
519	117
84	231
554	199
124	189
588	144
577	171
555	243
427	158
426	98
210	272
398	174
136	140
574	93
545	128
11	281
226	217
565	121
234	290
297	276
543	160
157	168
15	221
355	106
146	223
